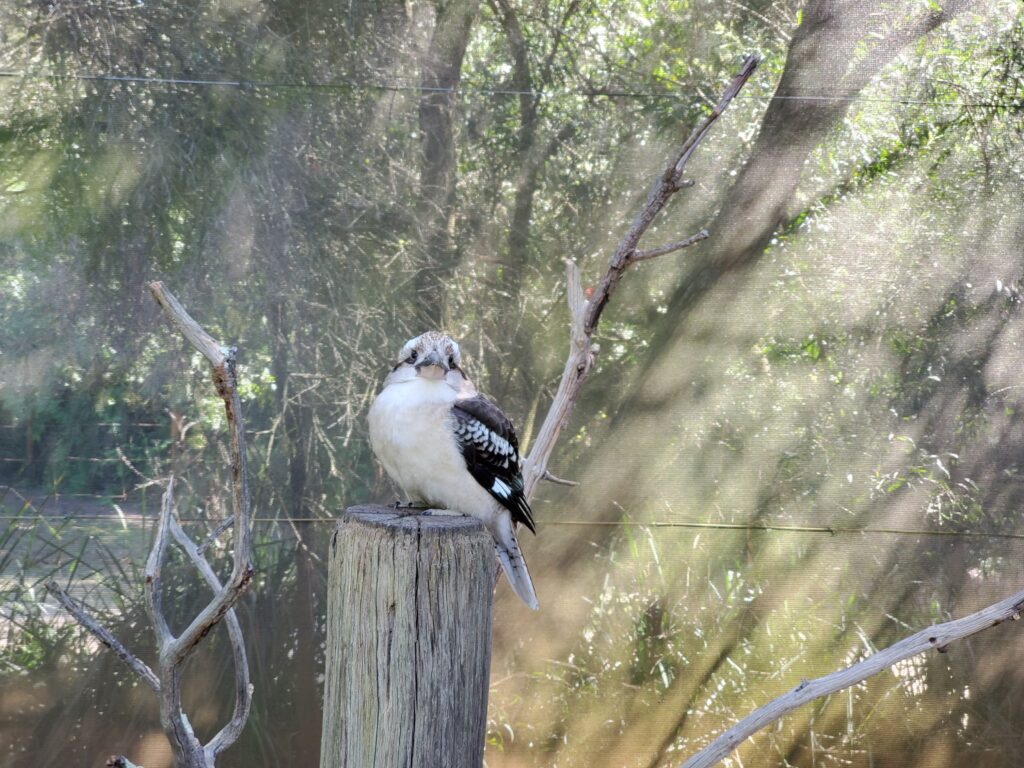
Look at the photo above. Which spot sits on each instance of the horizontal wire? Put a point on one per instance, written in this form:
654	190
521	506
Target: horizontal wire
831	530
401	87
104	424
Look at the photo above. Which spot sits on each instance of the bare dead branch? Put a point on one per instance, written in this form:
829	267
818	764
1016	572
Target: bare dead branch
558	480
229	734
577	366
174	651
585	315
667	184
662	250
188	751
179	732
188	327
937	637
101	633
215	610
222	360
154	565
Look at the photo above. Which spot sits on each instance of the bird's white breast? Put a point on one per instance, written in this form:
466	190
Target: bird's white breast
411	433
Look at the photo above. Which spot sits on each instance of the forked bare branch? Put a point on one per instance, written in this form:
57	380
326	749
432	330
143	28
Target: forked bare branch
667	184
188	751
229	734
584	318
585	315
222	361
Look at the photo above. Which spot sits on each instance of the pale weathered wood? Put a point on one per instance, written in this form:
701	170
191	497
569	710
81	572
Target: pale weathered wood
585	313
937	637
409	614
174	651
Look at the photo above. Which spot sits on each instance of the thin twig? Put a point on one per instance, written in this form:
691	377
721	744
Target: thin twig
937	637
101	633
661	250
224	524
147	481
558	480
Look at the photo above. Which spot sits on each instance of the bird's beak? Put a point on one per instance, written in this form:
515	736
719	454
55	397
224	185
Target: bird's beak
432	359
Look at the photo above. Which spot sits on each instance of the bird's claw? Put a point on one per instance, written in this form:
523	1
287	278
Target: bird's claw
406	507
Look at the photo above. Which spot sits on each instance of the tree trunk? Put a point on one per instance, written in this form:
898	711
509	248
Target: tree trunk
410	607
822	52
442	70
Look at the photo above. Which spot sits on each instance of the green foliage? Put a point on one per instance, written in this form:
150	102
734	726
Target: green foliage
857	371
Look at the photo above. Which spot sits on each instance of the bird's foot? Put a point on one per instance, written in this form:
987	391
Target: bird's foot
442	513
407	507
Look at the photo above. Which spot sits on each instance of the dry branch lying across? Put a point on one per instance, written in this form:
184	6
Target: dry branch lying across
937	637
188	751
585	314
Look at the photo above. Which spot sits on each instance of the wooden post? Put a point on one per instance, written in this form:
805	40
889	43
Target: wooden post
409	614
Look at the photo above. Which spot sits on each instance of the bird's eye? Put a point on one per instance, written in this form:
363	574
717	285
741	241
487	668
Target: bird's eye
412	357
451	361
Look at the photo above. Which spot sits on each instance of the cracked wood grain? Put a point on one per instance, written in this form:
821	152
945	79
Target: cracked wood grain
410	601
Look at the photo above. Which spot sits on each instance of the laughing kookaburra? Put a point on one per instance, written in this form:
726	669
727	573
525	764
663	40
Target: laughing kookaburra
448	447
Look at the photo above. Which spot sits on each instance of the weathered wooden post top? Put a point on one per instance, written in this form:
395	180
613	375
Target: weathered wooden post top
409	615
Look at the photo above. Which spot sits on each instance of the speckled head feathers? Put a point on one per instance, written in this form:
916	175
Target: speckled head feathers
431	341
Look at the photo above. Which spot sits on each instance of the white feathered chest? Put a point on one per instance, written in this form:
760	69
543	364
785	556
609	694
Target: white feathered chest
412	433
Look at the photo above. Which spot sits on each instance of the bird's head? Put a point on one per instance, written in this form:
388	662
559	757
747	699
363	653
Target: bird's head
431	355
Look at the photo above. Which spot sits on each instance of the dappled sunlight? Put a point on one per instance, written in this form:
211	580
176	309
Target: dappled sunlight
799	443
154	750
833	385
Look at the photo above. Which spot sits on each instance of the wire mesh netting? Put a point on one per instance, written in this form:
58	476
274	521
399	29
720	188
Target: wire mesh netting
800	443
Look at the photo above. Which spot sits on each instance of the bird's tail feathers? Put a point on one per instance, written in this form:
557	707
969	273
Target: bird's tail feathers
513	564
